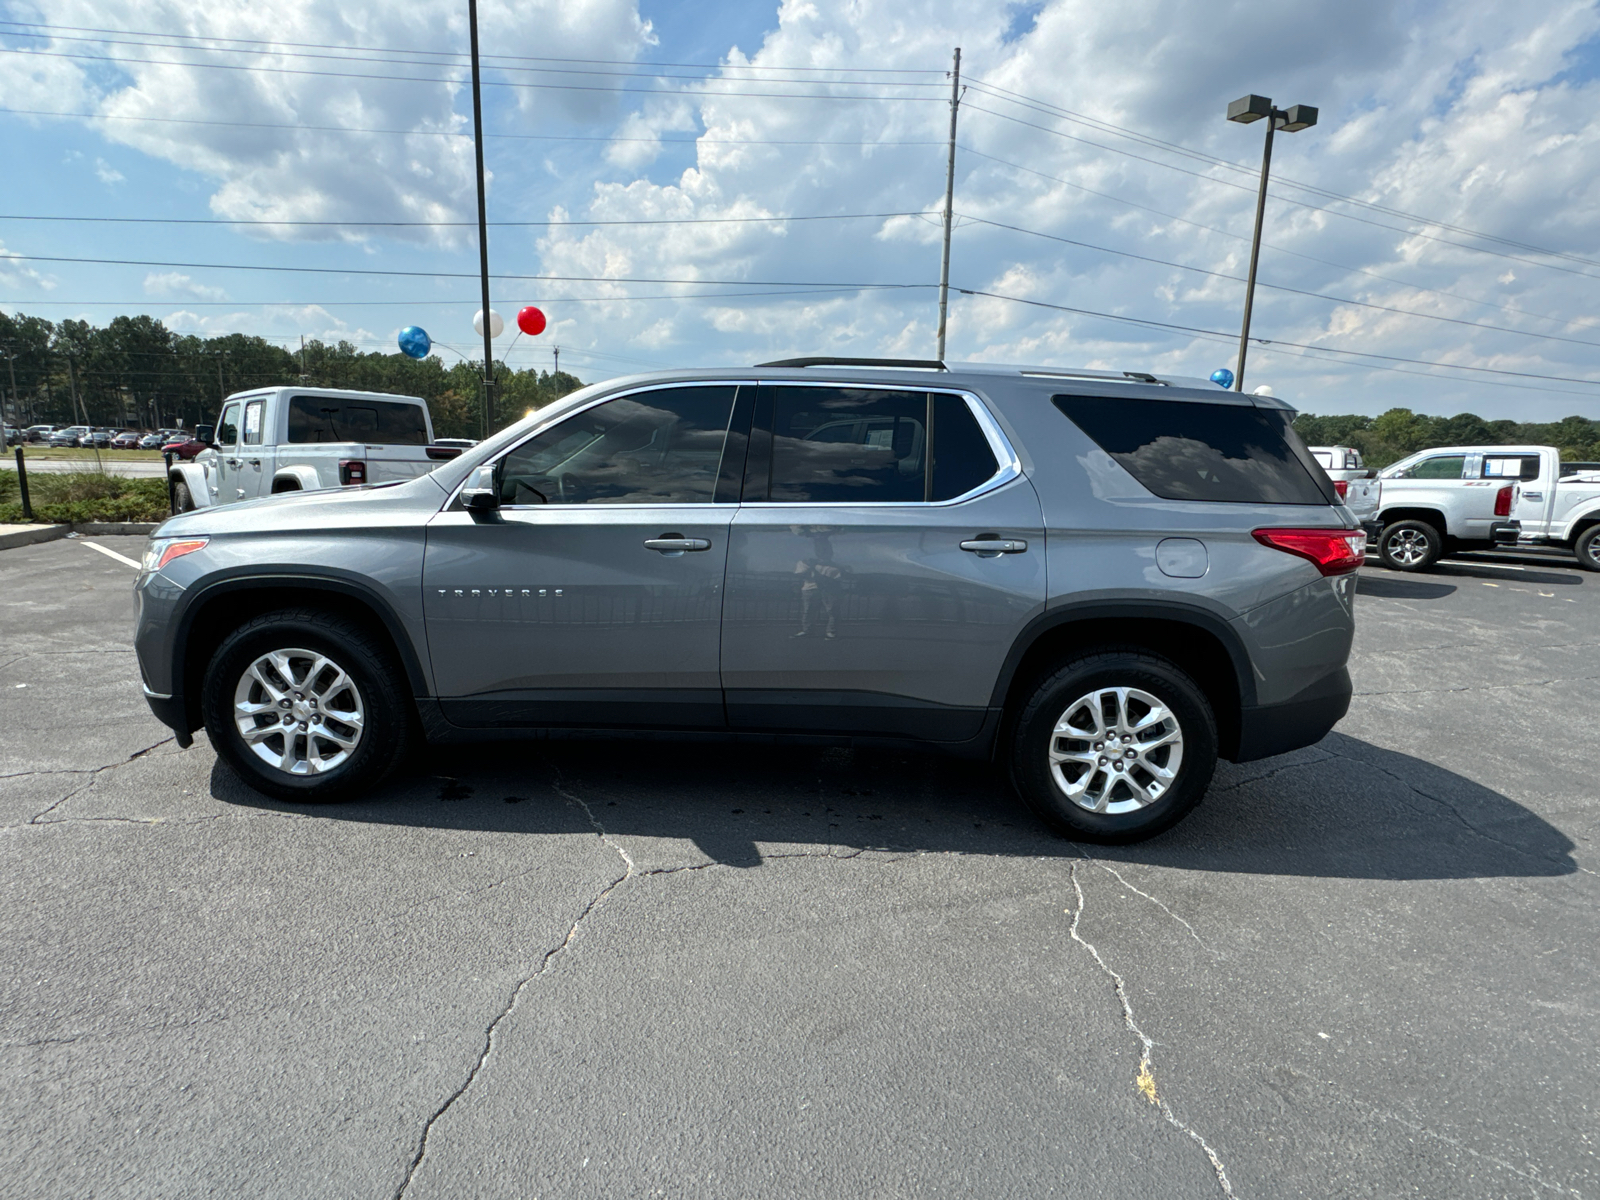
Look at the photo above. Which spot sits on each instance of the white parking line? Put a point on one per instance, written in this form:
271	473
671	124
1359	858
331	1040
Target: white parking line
1456	562
121	558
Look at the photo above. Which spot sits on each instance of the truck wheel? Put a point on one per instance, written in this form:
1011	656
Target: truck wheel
1588	548
305	706
1409	545
182	501
1114	746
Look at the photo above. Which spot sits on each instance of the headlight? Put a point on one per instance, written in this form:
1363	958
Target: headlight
162	551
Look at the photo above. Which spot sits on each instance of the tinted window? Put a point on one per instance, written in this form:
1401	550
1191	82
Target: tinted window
252	422
846	444
962	459
227	427
1442	467
332	419
1182	450
659	447
1509	466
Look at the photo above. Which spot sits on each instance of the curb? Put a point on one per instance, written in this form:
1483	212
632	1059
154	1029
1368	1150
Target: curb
32	535
119	528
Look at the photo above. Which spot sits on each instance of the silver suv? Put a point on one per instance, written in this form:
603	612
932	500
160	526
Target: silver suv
1102	581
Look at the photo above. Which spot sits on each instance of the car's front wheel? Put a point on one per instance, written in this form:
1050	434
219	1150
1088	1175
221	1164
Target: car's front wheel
1114	746
305	706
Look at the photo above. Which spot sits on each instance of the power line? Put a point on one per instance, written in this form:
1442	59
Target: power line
1228	337
692	140
458	54
1286	199
1278	287
457	224
1150	140
1563	321
500	83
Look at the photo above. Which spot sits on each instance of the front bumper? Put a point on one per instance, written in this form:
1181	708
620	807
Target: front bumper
169	710
1303	720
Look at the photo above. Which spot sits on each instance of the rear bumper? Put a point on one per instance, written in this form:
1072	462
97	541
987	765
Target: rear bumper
1268	729
1373	529
1505	533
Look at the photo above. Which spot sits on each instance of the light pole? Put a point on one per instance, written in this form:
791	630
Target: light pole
483	226
1291	120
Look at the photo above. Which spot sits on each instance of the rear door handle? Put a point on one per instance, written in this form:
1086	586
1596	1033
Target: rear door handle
995	545
676	545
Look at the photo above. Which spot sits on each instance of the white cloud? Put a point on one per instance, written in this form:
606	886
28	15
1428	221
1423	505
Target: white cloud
262	135
14	274
1462	115
106	173
175	283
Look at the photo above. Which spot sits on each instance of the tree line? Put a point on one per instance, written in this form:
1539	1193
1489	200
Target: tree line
135	372
1399	432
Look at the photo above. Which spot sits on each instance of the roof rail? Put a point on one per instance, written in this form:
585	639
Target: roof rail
927	364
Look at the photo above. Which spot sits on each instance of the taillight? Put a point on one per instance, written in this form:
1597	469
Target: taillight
1502	502
1342	486
1334	551
352	471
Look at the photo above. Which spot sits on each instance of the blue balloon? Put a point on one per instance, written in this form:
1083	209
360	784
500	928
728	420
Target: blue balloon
1222	377
415	343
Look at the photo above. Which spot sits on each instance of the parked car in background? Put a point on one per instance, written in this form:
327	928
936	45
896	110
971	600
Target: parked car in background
13	436
306	439
99	439
1451	498
1340	462
126	440
154	441
72	435
1564	512
1102	582
186	445
40	433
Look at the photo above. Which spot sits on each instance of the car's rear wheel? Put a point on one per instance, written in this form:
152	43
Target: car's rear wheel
1114	746
306	706
1410	545
1588	548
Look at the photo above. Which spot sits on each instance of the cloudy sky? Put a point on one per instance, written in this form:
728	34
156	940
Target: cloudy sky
721	182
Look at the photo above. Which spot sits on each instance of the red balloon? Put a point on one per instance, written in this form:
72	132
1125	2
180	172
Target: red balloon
531	321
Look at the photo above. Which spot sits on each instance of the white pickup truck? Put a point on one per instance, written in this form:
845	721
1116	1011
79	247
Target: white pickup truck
293	439
1452	498
1355	483
1564	511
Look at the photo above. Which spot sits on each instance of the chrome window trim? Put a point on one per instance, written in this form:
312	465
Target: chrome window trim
1009	471
494	462
1010	468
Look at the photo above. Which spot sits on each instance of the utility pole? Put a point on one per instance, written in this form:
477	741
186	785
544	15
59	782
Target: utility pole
483	227
302	360
222	391
949	202
16	401
556	370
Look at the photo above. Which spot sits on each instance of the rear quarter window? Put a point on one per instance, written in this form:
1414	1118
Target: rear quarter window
335	419
1190	450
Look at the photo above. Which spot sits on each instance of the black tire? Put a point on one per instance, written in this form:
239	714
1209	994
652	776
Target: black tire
379	692
182	501
1410	545
1033	736
1588	548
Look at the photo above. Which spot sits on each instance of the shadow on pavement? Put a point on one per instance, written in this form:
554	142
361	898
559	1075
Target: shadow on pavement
1394	587
1343	809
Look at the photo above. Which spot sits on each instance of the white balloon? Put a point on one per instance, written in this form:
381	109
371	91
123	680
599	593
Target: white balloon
497	323
1264	390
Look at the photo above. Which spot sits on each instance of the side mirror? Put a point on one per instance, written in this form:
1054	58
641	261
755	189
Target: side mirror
480	494
205	433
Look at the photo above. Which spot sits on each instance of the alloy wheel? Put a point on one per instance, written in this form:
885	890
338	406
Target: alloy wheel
298	711
1407	547
1115	750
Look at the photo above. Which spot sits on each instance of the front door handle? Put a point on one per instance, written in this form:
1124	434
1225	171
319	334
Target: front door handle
673	545
995	545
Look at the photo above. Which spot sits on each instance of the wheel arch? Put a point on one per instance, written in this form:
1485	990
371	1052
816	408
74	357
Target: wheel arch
194	478
299	478
1196	640
220	607
1432	516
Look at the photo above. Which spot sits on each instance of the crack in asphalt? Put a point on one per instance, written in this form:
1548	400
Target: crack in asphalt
631	870
1154	901
1145	1080
1294	766
1457	813
38	818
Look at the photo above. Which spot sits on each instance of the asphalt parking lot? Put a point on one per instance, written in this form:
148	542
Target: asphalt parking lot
1368	968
